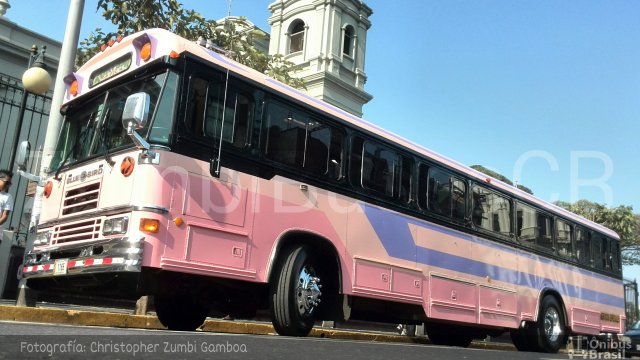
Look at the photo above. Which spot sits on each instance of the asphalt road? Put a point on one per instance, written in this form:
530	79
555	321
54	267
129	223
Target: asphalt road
38	341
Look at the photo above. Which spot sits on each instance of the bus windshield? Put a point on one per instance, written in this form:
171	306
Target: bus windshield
95	128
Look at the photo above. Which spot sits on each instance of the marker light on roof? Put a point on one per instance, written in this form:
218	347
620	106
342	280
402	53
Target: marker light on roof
145	52
73	88
144	47
72	84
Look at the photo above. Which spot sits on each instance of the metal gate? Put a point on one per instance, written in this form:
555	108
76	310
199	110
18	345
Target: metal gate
34	127
631	301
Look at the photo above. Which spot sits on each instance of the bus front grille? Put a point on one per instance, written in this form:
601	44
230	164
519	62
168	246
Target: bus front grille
81	199
79	231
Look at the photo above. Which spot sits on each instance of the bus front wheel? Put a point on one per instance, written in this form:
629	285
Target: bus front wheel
295	292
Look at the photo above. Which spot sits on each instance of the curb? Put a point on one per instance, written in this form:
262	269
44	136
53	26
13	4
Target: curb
120	320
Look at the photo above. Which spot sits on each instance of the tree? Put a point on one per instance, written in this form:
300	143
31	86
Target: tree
131	16
500	177
620	219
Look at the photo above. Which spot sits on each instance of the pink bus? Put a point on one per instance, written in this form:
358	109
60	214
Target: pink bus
184	175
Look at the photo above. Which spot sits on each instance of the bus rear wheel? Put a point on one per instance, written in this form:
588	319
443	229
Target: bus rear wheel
550	331
295	293
548	334
179	312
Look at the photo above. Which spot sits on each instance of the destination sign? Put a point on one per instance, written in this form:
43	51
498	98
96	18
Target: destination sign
107	72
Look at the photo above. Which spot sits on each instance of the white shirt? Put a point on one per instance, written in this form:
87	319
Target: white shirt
6	203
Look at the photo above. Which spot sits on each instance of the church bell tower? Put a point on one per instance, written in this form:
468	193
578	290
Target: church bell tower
326	40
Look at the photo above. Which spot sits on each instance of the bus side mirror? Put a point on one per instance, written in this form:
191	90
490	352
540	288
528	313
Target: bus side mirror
136	111
134	117
22	156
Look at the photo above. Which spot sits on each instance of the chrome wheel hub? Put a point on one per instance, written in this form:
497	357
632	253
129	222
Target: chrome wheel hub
308	291
552	327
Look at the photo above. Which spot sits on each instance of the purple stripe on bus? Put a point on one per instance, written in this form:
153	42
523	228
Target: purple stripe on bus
513	251
393	231
505	248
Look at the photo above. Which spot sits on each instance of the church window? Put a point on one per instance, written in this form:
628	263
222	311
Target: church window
296	37
349	37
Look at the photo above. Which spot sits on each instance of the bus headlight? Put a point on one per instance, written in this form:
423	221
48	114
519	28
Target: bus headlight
42	238
115	226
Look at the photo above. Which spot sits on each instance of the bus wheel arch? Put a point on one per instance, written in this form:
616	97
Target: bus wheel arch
301	255
558	297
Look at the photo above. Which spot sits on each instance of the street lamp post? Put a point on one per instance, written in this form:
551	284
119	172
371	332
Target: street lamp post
35	80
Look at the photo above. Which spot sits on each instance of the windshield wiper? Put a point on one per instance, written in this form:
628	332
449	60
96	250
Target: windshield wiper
64	164
104	138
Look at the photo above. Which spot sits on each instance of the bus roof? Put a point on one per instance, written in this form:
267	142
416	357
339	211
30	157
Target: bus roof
164	42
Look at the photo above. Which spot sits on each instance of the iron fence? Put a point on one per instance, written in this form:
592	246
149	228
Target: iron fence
34	127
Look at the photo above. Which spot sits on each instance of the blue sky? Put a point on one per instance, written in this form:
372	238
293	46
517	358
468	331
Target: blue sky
546	92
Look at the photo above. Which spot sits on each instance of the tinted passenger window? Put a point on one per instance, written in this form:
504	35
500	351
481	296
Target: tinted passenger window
583	246
491	211
286	135
597	251
526	224
615	256
534	228
231	121
198	94
378	168
295	139
564	236
423	182
406	177
608	256
545	231
210	117
446	194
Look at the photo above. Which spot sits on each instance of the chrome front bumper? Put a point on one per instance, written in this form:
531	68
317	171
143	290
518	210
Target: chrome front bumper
103	256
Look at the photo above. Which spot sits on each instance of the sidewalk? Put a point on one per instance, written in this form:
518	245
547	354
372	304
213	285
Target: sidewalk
124	318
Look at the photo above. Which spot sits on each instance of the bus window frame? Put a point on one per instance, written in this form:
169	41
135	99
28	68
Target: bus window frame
572	234
511	236
452	176
311	116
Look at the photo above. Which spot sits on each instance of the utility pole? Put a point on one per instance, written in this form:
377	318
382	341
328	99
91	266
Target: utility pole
66	66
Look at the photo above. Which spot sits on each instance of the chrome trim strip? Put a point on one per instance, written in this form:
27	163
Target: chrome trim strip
152	208
106	212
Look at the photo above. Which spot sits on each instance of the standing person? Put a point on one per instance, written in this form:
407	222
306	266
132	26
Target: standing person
6	200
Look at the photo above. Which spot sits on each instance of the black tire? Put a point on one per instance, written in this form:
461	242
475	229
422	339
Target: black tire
295	292
179	312
550	330
448	335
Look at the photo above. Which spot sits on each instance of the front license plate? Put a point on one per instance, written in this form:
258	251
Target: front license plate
60	267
